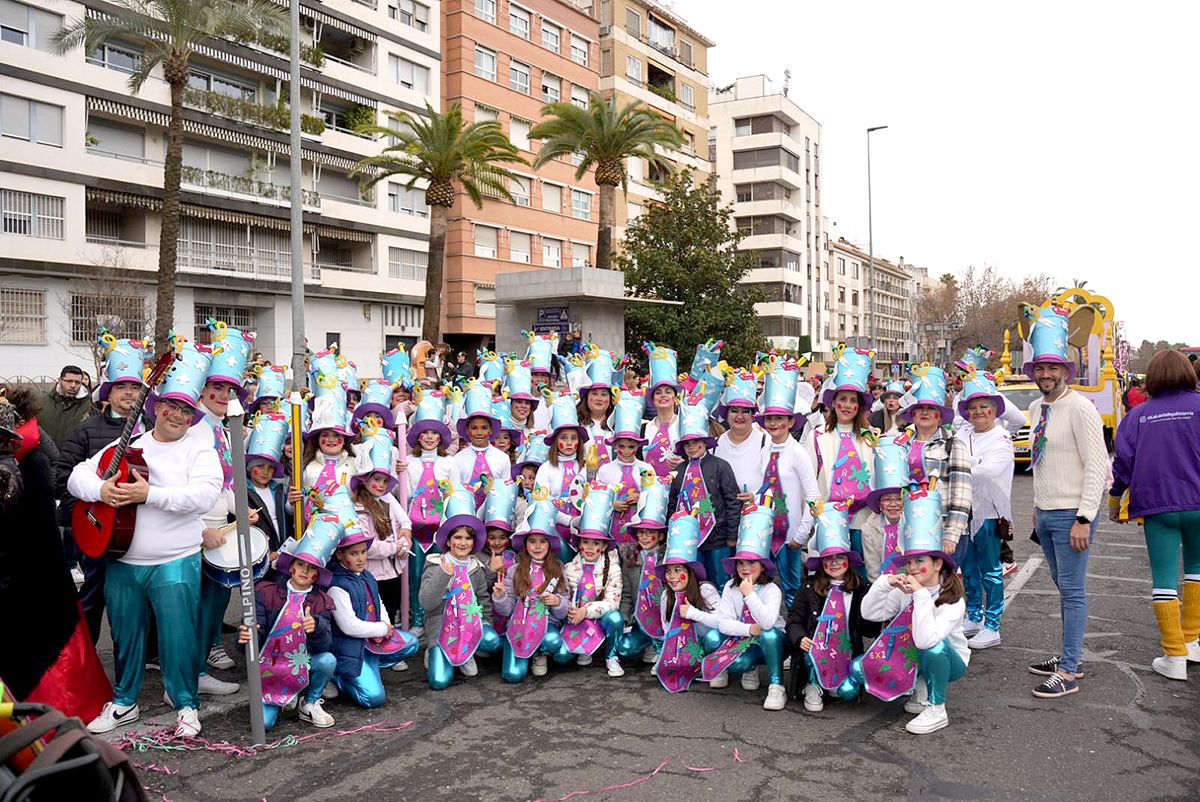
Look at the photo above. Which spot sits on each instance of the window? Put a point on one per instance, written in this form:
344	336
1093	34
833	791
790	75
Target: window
339	186
409	75
518	133
410	13
116	56
661	36
551	252
551	87
606	62
687	96
485	114
633	22
123	315
579	50
581	204
765	157
633	69
632	211
854	270
685	52
485	63
579	96
551	36
27	26
30	120
407	264
407	201
485	300
240	317
842	296
635	168
228	86
552	198
519	244
486	9
519	187
23	313
485	241
581	254
518	76
31	215
518	21
854	298
841	266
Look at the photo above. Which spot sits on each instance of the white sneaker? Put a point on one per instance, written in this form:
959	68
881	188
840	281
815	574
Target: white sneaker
971	627
314	713
812	698
469	668
187	723
750	681
216	687
919	700
539	666
77	576
1171	666
613	664
776	698
931	719
219	658
650	656
331	691
1193	655
722	681
984	639
583	660
112	716
401	666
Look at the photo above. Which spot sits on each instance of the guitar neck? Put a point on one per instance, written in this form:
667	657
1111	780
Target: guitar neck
127	433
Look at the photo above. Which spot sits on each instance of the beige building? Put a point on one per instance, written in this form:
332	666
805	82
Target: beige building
873	301
81	181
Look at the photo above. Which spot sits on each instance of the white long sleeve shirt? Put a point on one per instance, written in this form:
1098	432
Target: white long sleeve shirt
991	455
552	477
765	605
798	481
185	480
352	625
743	458
705	619
931	624
463	473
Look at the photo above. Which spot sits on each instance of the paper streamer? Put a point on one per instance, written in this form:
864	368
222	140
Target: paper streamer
737	758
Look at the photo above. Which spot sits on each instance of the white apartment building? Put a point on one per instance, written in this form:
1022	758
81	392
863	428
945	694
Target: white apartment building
767	155
872	302
81	176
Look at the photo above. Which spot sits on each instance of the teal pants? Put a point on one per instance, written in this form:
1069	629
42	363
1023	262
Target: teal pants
320	668
768	651
441	673
214	600
634	642
514	669
1166	535
978	555
940	666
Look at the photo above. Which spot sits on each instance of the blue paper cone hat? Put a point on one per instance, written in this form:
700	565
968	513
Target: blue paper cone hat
376	397
458	509
519	382
302	410
491	366
502	412
654	495
782	380
185	378
268	432
923	524
336	500
852	371
541	518
831	535
626	418
231	353
664	367
375	454
975	358
316	547
323	361
328	413
541	352
1048	329
693	422
683	546
979	385
272	385
347	373
124	361
714	383
534	451
741	391
396	366
928	389
708	354
601	369
476	403
500	505
573	371
328	384
564	415
429	415
896	388
754	539
891	469
596	515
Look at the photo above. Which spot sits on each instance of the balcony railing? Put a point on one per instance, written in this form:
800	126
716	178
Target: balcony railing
100	239
278	117
244	185
242	261
351	64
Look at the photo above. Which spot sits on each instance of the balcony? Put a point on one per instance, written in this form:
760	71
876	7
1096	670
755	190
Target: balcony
239	261
276	117
346	49
213	182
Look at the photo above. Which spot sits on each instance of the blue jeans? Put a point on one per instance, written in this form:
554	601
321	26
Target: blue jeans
1068	569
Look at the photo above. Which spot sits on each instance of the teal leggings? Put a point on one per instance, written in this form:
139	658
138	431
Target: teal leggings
1165	534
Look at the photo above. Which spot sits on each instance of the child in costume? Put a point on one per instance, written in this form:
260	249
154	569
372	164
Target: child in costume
524	471
885	412
824	625
624	469
479	458
662	431
542	351
641	609
295	626
328	454
508	437
518	384
749	615
563	472
455	594
594	584
533	596
881	531
687	606
923	649
498	511
427	438
375	406
596	405
266	479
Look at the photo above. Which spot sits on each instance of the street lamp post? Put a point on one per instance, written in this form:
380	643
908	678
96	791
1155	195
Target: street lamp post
871	246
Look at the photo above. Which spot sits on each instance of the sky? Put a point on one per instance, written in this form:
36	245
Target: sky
1038	137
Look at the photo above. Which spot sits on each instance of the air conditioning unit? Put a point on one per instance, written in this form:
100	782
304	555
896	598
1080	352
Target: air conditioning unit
358	46
605	30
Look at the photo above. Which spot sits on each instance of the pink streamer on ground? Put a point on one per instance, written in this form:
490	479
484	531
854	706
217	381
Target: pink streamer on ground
737	758
165	740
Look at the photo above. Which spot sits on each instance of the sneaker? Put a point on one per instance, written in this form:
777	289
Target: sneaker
1008	569
1171	666
187	723
650	656
984	639
931	719
1048	667
314	714
919	700
539	666
112	716
750	680
787	663
219	658
469	668
970	627
401	666
722	681
1193	655
776	698
613	664
77	576
812	698
1056	685
331	692
217	687
583	660
417	632
152	664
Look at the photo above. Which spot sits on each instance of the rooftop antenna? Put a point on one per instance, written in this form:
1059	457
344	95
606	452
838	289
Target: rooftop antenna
787	77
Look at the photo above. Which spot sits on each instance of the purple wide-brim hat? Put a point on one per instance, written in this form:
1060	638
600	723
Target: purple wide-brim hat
454	522
908	555
532	399
515	432
730	563
996	398
499	524
196	406
833	551
708	440
518	540
583	433
312	434
695	566
276	464
389	422
515	472
283	564
595	534
865	400
798	418
360	479
259	401
237	385
947	413
744	403
417	428
461	425
634	436
1027	368
875	497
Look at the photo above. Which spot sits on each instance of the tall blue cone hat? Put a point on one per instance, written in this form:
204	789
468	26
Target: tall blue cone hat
185	378
328	413
683	546
458	509
708	354
693	421
891	469
454	406
979	385
337	501
500	504
741	391
268	432
664	367
714	383
928	390
376	397
328	384
396	366
519	382
851	371
922	523
347	373
596	513
754	539
654	494
541	352
502	412
1048	330
782	378
323	361
476	403
564	415
604	369
541	518
124	361
534	452
289	409
272	385
316	547
491	366
626	417
895	388
573	370
231	353
831	535
429	415
375	454
975	358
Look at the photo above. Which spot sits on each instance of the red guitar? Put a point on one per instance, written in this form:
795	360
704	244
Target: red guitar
100	529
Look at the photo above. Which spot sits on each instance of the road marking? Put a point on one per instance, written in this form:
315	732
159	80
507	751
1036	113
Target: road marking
1102	634
1018	582
1109	557
1141	546
1137	579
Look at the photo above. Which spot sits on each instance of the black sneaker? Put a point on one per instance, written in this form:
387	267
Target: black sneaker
1056	685
1047	668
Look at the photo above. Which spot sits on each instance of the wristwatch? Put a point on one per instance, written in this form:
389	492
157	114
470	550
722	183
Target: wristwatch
1081	519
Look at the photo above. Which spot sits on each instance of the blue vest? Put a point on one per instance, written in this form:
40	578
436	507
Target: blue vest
348	649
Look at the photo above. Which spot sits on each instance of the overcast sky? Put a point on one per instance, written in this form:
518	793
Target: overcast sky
1039	137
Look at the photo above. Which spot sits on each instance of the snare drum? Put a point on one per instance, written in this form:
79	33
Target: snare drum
221	564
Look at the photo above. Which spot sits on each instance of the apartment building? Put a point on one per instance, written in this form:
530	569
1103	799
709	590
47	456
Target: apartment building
767	155
871	302
504	60
81	181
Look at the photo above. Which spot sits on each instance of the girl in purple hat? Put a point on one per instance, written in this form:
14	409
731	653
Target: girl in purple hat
662	431
784	469
594	408
594	584
563	474
387	524
329	439
642	608
428	467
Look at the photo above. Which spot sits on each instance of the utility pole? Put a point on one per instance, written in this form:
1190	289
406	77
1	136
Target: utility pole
299	350
870	245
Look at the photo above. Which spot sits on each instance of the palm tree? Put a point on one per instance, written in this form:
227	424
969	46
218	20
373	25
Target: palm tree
170	31
442	149
605	137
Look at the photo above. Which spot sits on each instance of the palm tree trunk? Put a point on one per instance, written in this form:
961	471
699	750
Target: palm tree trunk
604	235
168	241
434	274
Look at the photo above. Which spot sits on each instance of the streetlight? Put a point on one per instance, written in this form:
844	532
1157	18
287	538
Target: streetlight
870	244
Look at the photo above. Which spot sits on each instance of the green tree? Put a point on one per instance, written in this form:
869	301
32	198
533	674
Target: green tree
684	249
606	137
169	31
444	151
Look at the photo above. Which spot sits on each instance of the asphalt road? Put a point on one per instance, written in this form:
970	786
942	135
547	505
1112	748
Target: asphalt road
1128	734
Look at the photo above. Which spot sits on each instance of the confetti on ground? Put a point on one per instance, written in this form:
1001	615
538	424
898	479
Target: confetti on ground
164	740
737	758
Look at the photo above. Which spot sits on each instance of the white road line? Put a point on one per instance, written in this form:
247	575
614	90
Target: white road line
1141	546
1109	557
1018	581
1137	579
